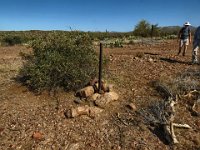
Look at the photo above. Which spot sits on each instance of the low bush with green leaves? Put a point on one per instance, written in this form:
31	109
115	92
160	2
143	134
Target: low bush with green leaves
60	61
11	40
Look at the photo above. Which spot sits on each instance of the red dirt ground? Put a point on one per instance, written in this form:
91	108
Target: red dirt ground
131	69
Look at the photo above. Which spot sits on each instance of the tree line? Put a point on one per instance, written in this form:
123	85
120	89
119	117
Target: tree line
142	29
145	29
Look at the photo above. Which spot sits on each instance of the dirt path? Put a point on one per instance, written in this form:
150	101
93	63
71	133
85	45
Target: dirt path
131	69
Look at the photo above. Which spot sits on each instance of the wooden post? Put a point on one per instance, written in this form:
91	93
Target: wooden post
100	66
152	31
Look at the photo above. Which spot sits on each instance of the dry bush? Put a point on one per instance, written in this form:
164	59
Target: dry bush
60	61
183	82
139	54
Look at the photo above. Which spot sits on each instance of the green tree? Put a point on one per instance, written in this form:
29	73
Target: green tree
143	29
155	30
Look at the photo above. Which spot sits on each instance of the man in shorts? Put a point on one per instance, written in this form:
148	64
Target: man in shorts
184	37
196	44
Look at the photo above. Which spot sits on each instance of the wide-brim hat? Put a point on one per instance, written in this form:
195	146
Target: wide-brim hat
187	24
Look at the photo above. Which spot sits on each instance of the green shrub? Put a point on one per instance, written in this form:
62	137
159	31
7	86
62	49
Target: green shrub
143	29
118	43
115	43
170	37
60	61
11	40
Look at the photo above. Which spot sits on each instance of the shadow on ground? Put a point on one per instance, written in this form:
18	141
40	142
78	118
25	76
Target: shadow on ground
159	132
175	61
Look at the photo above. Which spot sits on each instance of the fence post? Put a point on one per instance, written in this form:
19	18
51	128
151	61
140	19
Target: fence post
100	66
152	31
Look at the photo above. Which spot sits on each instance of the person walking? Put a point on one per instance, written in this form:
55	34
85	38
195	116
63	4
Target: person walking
184	37
196	45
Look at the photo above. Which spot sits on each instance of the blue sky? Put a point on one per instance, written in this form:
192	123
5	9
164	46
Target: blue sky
95	15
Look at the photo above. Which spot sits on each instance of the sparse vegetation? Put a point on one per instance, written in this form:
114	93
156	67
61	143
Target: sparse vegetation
67	60
60	61
11	40
24	113
142	29
184	82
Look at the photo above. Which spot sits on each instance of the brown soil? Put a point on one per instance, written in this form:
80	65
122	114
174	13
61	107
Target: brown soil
30	121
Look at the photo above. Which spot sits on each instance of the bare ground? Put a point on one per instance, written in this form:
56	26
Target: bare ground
131	69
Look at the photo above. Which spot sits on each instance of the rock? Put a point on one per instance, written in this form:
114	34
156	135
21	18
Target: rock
112	96
37	136
105	87
132	106
93	145
198	123
85	92
78	101
83	110
106	98
94	111
109	87
136	58
74	146
94	97
1	130
151	60
101	102
74	112
93	82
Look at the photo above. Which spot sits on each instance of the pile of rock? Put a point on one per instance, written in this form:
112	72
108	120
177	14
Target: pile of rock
99	100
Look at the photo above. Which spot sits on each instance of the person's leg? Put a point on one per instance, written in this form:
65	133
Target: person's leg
180	46
195	53
185	43
184	49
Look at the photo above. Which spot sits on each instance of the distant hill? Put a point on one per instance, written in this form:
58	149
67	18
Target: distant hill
174	29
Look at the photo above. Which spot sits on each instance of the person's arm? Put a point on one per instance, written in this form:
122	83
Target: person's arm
190	36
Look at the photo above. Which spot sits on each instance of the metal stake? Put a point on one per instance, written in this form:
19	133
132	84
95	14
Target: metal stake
100	65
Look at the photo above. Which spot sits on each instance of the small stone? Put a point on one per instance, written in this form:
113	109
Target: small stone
78	101
85	92
74	146
78	111
132	106
1	129
37	136
95	96
106	98
136	58
94	111
151	60
92	145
